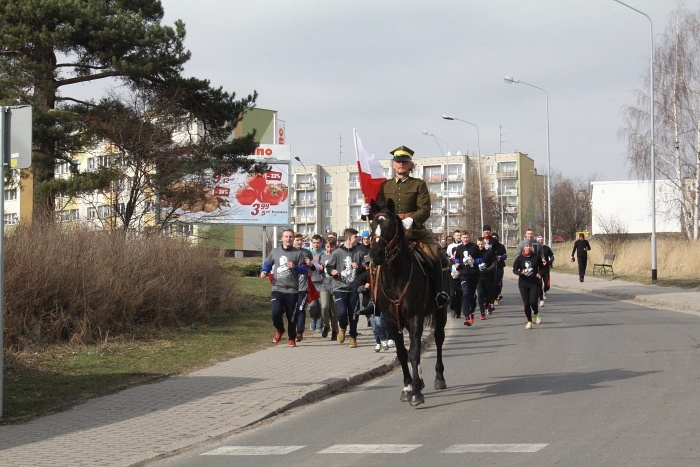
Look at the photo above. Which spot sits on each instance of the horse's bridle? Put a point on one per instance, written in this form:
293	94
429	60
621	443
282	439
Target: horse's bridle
392	248
391	251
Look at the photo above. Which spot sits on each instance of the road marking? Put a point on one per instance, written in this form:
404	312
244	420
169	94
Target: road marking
370	449
462	448
252	450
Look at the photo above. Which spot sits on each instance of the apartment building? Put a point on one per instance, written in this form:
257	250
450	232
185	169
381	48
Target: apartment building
328	198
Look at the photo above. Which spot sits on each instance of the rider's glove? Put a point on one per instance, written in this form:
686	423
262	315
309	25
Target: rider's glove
364	210
407	223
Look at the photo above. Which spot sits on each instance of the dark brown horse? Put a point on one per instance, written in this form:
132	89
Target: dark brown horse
406	295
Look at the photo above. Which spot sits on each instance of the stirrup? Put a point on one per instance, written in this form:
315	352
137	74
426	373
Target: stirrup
442	299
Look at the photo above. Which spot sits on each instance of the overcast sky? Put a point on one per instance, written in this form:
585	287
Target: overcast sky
391	68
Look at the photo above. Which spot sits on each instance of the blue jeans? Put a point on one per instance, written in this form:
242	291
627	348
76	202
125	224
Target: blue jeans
284	304
347	310
379	328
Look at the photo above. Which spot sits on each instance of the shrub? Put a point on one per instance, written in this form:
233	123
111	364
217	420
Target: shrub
83	286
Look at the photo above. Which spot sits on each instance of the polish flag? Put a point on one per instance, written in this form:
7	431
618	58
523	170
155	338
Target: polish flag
371	171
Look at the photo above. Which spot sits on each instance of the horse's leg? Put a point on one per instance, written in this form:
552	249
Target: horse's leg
440	322
416	334
402	355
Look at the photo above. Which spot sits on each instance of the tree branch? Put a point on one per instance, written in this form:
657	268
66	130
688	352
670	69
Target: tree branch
82	79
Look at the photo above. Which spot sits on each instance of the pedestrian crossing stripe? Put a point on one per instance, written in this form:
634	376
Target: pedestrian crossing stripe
463	448
373	449
370	449
252	450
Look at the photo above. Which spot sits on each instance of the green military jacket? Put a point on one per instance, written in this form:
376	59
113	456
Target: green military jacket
412	199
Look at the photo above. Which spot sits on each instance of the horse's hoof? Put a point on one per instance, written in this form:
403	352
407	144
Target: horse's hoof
440	384
417	399
405	395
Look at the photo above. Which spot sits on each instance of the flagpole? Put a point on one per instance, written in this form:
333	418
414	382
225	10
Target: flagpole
357	158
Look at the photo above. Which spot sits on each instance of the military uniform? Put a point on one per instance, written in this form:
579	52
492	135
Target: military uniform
411	199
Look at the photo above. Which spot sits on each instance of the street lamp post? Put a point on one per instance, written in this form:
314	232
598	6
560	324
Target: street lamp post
446	184
511	80
653	156
478	162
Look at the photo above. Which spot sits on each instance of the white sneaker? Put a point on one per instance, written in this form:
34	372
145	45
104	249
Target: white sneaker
541	302
378	347
391	343
544	295
385	345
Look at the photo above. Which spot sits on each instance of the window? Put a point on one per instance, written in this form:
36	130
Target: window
119	184
11	195
327	180
91	163
328	196
328	213
62	168
432	174
489	169
181	230
355	214
103	212
11	219
354	180
103	161
68	216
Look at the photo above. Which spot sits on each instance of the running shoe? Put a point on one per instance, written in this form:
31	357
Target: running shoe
483	317
378	347
300	337
500	297
471	318
538	319
467	322
385	345
292	343
334	336
391	343
341	336
278	337
353	342
544	295
313	324
528	325
541	302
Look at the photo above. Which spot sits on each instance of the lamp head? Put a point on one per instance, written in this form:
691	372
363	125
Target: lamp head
425	132
447	117
510	80
297	158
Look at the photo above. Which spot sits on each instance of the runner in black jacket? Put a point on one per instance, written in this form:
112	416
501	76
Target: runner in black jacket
527	268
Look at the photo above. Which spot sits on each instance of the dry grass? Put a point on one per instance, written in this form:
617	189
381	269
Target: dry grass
678	260
81	286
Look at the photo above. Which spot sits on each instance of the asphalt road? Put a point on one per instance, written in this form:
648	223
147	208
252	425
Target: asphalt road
599	382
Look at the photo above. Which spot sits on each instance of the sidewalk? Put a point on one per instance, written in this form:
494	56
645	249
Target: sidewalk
151	421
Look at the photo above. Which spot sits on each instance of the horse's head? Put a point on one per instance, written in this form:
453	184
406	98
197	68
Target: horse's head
387	233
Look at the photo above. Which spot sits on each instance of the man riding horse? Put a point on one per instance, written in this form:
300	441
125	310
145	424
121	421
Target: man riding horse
412	204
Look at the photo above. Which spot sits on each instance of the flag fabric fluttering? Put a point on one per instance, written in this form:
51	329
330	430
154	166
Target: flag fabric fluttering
371	171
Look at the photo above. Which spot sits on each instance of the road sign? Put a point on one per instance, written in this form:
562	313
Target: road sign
18	137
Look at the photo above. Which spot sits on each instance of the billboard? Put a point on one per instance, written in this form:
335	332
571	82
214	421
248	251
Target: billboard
241	199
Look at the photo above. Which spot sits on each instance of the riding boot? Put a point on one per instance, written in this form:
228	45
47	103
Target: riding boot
369	310
442	298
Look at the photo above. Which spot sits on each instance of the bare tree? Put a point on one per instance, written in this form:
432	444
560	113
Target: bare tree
469	214
615	234
676	119
571	207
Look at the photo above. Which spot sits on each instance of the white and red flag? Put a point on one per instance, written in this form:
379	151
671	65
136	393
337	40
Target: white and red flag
371	171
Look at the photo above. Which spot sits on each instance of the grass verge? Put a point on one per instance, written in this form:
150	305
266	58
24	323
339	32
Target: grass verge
45	380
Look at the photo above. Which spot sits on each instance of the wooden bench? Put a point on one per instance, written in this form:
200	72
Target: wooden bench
606	266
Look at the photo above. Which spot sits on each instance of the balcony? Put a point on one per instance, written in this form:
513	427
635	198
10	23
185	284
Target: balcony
455	178
436	212
511	209
433	178
510	192
304	202
305	186
305	219
354	184
356	201
508	174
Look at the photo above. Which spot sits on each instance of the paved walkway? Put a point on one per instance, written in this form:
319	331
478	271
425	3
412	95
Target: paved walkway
151	421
